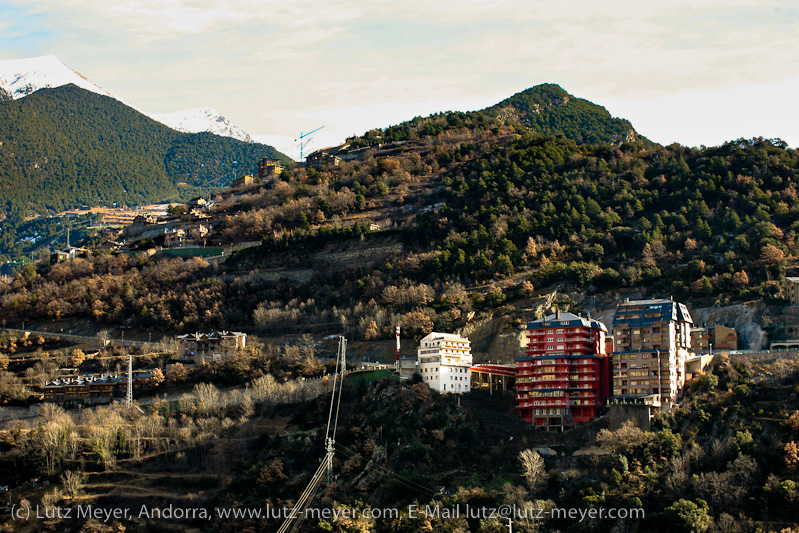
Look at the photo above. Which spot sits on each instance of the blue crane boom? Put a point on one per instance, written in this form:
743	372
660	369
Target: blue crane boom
304	135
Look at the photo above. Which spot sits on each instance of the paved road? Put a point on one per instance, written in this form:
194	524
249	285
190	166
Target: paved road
75	338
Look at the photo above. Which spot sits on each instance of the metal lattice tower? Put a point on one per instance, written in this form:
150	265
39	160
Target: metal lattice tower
130	379
295	518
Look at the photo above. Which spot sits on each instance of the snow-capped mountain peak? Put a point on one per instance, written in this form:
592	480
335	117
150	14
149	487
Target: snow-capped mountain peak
21	77
202	119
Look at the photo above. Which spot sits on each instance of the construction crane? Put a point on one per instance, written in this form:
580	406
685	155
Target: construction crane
303	144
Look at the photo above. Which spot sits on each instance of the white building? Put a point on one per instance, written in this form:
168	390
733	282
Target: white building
445	362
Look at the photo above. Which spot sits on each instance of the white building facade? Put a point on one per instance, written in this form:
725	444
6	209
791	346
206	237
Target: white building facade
445	361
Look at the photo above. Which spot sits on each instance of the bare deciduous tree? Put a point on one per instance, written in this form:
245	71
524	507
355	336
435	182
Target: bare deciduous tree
626	438
533	469
208	397
73	482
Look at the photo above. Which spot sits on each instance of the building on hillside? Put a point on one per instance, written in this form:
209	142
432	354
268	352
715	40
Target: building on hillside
208	347
792	290
723	338
197	232
174	237
323	158
91	390
70	252
268	167
145	219
700	340
444	362
58	256
637	407
243	181
716	337
696	365
566	376
652	339
193	215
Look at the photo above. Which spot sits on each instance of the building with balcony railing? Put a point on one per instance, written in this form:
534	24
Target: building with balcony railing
652	340
444	361
567	374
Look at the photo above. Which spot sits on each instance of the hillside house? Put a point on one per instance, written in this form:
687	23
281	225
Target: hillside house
208	347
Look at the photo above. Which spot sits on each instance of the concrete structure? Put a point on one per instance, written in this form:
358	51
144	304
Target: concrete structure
652	338
494	378
567	374
696	365
640	408
208	347
784	345
444	361
406	366
269	167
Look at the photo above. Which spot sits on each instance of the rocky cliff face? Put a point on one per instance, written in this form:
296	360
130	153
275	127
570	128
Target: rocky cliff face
495	339
743	317
500	340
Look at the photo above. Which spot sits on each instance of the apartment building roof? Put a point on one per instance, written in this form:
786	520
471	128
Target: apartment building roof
445	336
566	320
212	335
647	312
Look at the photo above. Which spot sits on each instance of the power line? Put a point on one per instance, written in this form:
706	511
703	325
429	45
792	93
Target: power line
297	515
405	481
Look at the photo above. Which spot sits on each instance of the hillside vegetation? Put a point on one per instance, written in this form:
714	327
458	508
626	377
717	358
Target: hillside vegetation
473	217
727	460
549	110
66	147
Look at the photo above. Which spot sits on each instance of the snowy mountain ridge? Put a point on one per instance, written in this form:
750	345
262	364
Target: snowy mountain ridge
21	77
200	120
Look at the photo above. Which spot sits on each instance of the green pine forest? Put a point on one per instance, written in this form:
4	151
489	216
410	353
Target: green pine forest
66	147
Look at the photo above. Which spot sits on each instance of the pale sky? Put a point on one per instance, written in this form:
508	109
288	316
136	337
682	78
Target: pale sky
689	71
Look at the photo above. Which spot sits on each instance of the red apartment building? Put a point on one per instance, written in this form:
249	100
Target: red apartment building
567	374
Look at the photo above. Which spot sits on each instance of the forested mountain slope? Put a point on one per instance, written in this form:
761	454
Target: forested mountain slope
66	147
